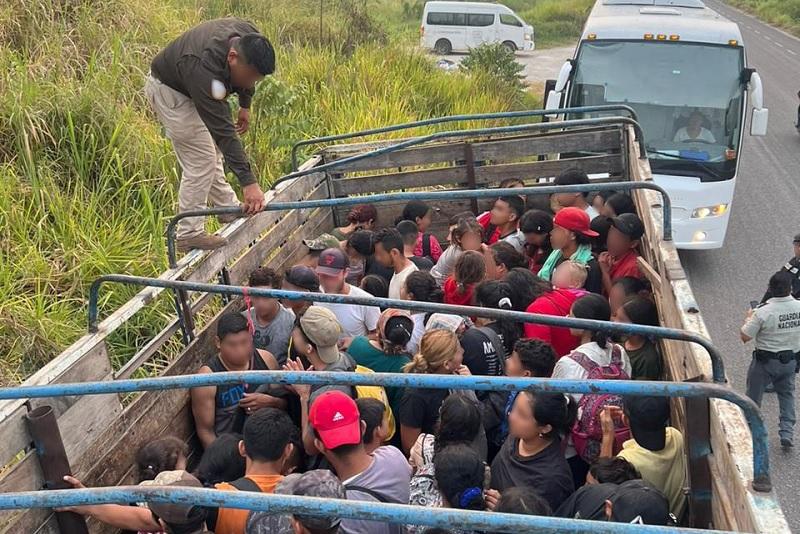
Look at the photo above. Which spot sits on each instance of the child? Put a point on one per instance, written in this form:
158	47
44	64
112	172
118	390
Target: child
646	361
373	415
571	276
421	214
470	270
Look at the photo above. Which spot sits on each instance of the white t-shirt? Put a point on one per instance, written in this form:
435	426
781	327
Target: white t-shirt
355	320
591	212
516	240
399	280
416	335
683	135
566	367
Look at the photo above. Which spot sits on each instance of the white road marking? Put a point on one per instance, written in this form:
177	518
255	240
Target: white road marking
778	44
756	31
791	52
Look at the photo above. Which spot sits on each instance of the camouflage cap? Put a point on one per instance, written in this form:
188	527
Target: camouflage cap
321	242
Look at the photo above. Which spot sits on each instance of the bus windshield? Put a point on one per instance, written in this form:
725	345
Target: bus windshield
689	98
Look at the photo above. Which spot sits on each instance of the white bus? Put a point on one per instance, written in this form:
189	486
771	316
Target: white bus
683	68
458	26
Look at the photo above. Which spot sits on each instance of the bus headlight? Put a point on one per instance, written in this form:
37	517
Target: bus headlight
527	37
709	211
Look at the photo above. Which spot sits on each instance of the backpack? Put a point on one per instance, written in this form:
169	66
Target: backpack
587	432
376	392
426	246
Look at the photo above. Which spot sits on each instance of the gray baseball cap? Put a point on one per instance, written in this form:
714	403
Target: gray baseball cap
317	483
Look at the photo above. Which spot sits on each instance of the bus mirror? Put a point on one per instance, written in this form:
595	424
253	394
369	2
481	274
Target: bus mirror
563	76
756	90
553	102
758	121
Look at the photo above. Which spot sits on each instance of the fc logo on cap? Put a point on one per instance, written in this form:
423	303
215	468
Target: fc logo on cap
328	260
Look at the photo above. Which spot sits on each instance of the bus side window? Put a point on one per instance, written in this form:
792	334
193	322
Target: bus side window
510	20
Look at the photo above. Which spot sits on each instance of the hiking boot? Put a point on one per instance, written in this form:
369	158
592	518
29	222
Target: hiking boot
227	218
202	242
786	444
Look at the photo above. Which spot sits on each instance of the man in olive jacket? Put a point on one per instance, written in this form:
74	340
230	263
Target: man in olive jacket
188	87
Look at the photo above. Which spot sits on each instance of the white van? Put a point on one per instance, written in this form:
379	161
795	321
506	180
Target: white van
458	26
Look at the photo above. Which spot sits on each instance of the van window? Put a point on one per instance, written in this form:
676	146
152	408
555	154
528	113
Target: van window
447	19
510	20
480	19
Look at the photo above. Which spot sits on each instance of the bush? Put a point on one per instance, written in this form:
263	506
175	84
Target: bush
496	61
782	13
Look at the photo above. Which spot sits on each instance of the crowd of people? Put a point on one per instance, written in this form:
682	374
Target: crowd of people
596	457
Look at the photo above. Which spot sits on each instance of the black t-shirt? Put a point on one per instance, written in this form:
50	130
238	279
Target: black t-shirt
422	263
479	354
546	471
594	276
373	266
508	344
419	408
589	503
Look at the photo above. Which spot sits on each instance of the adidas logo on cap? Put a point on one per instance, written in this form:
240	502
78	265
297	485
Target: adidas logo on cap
337	417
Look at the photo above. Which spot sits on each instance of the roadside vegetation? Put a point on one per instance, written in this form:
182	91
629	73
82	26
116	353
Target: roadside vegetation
782	13
87	182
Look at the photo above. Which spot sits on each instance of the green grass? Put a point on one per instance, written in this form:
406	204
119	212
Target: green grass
87	182
782	13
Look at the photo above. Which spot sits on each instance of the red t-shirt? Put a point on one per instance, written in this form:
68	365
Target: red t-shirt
557	303
436	248
452	296
625	266
485	220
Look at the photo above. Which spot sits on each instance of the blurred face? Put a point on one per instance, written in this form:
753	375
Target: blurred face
619	243
368	225
456	361
382	432
300	345
695	122
310	260
574	331
404	294
383	256
332	284
621	317
471	241
607	211
295	305
598	203
563	277
565	200
264	305
521	423
236	349
797	250
616	298
423	223
560	237
501	213
243	75
536	240
514	366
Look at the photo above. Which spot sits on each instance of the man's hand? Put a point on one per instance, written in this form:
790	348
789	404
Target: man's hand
301	390
463	370
76	484
243	122
604	260
607	416
253	198
252	402
491	498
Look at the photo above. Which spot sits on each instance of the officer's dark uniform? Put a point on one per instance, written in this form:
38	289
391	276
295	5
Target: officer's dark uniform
775	328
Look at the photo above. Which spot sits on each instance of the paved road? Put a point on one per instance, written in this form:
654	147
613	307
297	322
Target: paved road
765	215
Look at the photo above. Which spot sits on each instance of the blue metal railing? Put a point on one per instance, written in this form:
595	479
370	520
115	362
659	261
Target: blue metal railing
456	118
761	480
717	365
666	205
313	506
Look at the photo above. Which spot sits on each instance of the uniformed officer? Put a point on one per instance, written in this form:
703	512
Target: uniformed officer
792	267
188	87
775	327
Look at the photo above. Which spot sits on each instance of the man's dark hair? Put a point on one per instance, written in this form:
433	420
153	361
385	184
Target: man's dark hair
231	323
342	450
523	500
536	222
267	433
780	284
375	285
505	254
371	411
516	204
390	238
536	356
257	52
613	470
265	277
572	176
362	241
408	231
221	461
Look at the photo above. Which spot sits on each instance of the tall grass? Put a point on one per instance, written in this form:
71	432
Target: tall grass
782	13
86	179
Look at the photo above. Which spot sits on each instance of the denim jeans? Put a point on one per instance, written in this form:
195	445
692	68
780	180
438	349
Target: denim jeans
781	375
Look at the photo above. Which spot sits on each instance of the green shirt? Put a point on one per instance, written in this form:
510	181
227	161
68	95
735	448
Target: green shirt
364	353
646	362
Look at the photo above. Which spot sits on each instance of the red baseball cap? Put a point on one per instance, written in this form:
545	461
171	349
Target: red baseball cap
574	220
336	420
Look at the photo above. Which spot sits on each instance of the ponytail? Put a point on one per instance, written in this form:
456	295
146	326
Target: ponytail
554	409
436	348
595	307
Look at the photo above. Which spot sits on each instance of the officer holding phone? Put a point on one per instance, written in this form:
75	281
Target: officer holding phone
775	328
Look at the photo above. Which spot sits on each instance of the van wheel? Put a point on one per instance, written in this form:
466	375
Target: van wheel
443	47
511	46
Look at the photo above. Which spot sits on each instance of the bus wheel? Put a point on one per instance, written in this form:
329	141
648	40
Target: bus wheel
443	47
511	46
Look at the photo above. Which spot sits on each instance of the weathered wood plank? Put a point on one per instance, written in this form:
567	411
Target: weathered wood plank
589	140
490	175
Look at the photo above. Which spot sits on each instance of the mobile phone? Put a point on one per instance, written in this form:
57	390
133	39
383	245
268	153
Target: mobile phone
754	304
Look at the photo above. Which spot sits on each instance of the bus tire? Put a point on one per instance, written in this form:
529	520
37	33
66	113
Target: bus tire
443	47
511	46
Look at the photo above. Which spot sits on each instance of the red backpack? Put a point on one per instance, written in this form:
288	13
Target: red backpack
587	432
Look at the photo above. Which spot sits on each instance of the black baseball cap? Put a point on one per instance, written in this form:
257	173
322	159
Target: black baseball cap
648	418
303	277
637	501
796	239
332	261
629	224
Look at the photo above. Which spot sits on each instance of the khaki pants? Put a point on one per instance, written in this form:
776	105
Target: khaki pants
203	176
